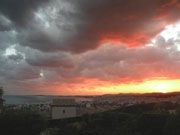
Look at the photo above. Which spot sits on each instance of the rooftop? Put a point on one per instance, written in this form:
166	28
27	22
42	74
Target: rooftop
63	102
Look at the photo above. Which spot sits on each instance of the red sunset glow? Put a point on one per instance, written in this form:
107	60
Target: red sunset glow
89	48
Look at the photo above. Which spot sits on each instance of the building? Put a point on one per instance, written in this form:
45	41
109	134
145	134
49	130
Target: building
88	105
63	108
172	111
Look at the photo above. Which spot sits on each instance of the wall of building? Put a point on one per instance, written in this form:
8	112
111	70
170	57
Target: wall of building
63	112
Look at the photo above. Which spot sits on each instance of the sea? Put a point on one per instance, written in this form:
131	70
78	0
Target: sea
40	99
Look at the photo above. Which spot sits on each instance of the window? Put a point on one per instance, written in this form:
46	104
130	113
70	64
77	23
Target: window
64	111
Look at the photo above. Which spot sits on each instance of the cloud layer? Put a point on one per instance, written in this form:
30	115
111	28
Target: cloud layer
64	43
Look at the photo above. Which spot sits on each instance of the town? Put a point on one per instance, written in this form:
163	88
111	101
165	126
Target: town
66	107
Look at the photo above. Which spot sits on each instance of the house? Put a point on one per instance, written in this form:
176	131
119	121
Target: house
63	108
88	105
172	111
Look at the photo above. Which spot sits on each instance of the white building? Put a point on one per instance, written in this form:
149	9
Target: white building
63	108
88	105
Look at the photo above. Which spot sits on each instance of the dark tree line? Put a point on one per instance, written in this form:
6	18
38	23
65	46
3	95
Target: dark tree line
1	98
141	119
1	92
21	122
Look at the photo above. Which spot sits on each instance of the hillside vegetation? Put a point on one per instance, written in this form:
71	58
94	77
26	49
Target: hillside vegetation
142	119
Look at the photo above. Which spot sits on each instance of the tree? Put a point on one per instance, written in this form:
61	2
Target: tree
21	122
1	92
172	126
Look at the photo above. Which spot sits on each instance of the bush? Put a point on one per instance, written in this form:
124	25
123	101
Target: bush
21	122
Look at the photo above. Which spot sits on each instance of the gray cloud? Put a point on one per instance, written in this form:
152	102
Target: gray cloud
20	11
7	38
79	26
109	63
43	60
64	42
16	57
117	63
5	24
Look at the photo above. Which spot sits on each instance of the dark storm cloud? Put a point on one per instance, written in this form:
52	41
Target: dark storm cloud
112	64
119	64
64	42
16	57
5	24
20	11
7	38
82	25
50	60
13	67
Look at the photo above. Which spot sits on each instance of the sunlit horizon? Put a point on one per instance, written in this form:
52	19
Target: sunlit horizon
82	48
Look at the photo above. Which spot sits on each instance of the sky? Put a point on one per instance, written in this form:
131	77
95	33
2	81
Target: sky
89	47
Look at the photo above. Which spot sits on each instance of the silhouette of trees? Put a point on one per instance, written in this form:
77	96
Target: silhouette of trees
141	119
144	120
1	99
1	92
21	122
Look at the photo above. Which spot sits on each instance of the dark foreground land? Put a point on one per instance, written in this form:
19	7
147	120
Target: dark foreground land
142	119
